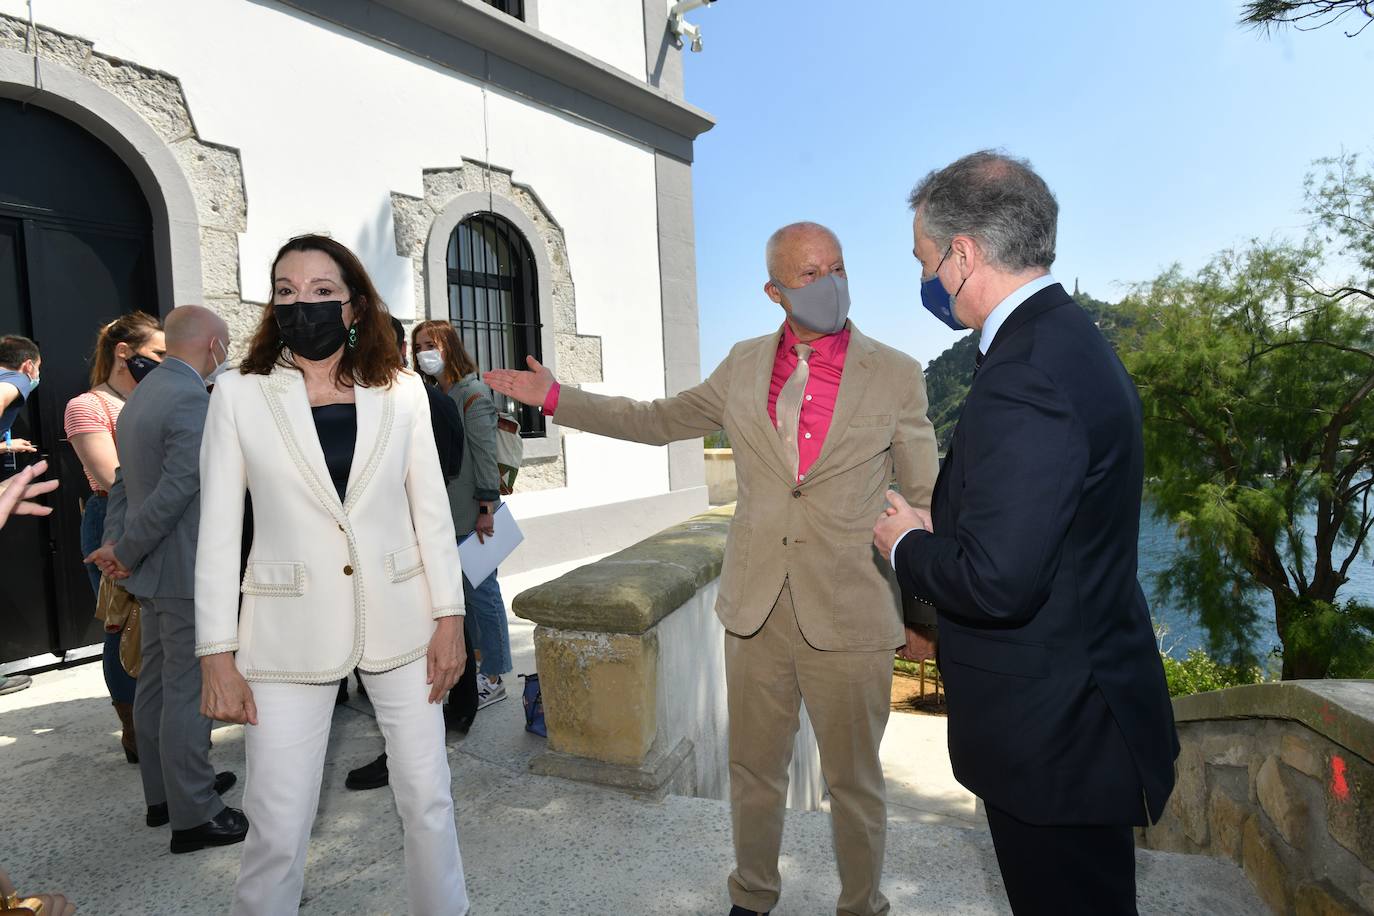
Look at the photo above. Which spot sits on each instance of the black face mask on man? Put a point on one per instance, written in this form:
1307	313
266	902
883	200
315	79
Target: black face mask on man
313	330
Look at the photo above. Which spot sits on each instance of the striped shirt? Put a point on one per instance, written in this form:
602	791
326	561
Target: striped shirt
85	414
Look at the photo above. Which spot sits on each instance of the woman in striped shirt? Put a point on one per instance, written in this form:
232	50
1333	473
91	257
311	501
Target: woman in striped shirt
128	348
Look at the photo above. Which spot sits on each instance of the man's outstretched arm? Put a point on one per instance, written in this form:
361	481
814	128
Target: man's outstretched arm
697	411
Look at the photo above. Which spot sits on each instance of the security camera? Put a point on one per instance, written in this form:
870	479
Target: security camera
683	29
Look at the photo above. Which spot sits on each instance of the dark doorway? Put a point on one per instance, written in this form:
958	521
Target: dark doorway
76	251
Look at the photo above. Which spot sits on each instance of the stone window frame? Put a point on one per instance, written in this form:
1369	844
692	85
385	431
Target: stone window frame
526	313
469	203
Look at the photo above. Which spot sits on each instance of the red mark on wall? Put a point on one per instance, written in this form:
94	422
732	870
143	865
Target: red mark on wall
1328	714
1339	787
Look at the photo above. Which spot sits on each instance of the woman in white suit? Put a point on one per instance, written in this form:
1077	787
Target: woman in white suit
354	564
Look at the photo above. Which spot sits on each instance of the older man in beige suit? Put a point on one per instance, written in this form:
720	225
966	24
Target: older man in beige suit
822	420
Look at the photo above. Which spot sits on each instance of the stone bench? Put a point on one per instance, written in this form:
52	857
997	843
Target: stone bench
632	667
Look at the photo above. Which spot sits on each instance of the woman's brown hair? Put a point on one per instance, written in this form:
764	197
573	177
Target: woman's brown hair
133	329
457	363
371	359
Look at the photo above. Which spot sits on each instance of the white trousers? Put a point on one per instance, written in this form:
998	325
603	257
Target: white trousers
286	765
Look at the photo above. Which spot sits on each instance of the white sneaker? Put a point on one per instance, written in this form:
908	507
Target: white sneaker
488	693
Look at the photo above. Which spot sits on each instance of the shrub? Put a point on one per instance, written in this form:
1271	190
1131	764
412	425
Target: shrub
1198	672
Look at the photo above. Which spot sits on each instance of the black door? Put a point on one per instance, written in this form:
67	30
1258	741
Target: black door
75	252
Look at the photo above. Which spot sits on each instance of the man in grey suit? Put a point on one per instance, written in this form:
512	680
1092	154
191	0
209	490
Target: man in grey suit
150	543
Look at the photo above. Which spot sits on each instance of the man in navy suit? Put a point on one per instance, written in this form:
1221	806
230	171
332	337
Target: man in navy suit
1059	717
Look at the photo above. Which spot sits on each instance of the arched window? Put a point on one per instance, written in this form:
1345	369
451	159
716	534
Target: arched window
493	301
514	8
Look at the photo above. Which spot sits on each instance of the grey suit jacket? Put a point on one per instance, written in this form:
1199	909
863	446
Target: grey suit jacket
479	477
153	516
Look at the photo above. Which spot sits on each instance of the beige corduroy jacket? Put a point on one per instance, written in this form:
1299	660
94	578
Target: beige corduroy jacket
817	534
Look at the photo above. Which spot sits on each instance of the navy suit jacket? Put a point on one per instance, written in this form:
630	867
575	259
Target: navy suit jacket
1058	709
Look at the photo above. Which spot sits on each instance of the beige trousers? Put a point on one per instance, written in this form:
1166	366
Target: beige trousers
848	696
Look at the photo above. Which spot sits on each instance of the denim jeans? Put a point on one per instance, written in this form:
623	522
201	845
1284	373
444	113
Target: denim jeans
117	680
486	611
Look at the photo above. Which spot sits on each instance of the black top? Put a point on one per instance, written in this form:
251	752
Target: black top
447	421
337	427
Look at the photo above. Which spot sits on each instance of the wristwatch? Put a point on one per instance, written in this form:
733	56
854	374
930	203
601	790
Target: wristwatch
484	510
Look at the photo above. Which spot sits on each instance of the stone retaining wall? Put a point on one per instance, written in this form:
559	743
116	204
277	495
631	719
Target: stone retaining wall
721	485
1278	778
632	666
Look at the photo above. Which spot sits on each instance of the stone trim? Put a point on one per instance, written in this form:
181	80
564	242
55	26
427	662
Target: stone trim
194	188
662	773
423	226
631	591
474	39
1342	711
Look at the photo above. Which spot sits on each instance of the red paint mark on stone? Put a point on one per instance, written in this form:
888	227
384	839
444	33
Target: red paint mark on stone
1328	716
1339	787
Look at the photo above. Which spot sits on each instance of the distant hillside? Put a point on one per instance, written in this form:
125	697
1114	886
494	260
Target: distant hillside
949	375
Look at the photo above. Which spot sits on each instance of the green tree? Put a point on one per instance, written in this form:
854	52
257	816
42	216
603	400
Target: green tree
1306	15
1259	433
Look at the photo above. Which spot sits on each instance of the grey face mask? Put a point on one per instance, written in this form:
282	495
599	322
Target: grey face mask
821	305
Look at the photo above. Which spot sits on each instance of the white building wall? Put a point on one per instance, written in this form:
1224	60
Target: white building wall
609	30
328	123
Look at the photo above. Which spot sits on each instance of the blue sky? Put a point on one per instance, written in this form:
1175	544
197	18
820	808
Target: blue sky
1167	132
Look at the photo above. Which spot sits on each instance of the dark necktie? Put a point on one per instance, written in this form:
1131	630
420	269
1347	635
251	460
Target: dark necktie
977	362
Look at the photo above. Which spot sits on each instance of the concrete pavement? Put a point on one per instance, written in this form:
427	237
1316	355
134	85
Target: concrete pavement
71	818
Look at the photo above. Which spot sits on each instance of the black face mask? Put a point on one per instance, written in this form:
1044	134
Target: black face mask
140	366
313	330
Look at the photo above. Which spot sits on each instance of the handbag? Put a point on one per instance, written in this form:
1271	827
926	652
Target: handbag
118	609
510	448
120	612
533	700
14	905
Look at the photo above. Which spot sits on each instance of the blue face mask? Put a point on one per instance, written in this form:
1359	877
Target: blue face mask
938	301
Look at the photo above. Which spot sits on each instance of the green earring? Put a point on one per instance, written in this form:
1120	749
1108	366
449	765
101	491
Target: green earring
353	336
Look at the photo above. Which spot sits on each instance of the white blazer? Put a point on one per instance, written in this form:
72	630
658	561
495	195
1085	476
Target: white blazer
330	586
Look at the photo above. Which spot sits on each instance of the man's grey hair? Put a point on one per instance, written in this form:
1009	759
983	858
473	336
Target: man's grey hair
997	200
777	239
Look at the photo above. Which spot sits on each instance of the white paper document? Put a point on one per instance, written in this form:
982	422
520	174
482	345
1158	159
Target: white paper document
480	558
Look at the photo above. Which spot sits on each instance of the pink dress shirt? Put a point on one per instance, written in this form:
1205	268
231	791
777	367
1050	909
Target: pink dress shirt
822	388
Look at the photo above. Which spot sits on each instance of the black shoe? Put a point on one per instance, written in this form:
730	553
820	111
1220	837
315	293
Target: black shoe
456	720
372	776
224	829
342	698
741	911
158	816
